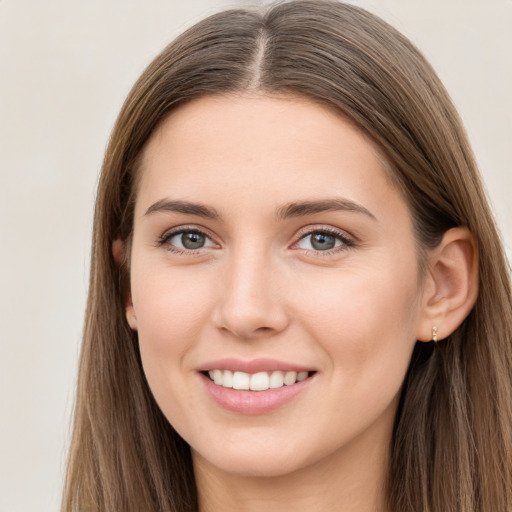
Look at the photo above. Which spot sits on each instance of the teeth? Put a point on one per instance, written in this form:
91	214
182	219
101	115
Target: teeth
217	377
227	379
276	380
260	381
290	378
241	380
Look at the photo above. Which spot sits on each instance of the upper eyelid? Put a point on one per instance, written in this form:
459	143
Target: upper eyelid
347	241
165	238
308	230
186	228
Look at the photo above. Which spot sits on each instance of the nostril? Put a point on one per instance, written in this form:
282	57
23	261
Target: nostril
248	334
264	329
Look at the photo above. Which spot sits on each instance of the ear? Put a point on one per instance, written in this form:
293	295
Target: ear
118	252
451	285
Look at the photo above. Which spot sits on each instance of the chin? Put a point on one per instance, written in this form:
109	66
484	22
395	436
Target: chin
256	464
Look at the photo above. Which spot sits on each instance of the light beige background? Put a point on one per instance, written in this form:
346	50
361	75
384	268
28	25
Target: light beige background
65	68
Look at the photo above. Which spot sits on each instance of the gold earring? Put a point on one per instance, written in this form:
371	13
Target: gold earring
434	333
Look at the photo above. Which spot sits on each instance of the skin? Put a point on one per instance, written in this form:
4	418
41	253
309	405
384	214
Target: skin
259	288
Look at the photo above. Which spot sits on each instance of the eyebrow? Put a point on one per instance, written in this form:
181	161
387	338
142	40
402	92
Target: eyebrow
186	207
294	209
303	208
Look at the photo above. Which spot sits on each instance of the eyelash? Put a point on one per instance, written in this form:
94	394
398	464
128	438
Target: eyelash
164	240
346	242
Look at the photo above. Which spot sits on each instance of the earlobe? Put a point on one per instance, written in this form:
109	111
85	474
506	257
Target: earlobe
130	314
118	252
451	285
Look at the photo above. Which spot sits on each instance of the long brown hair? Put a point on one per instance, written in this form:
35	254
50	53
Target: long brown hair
452	443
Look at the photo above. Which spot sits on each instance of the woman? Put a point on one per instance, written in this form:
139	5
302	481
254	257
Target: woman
298	296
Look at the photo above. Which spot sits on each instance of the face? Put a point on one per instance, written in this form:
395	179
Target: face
275	285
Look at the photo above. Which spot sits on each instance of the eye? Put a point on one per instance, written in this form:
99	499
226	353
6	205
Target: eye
187	240
323	241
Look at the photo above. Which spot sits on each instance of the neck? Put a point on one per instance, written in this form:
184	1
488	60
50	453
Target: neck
352	480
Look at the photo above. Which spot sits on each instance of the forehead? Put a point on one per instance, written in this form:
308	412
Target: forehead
283	148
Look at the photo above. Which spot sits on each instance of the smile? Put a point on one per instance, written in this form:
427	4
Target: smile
258	386
260	381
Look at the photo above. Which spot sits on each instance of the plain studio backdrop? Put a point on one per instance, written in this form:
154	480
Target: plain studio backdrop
65	69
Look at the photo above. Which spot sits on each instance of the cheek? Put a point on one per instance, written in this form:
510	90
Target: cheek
366	326
170	311
168	306
365	318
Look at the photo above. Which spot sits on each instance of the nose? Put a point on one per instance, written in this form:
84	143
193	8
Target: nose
251	302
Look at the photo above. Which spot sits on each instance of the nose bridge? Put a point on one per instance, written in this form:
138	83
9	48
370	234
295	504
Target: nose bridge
251	304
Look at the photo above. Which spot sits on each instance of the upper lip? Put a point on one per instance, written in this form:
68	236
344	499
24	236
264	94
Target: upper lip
253	365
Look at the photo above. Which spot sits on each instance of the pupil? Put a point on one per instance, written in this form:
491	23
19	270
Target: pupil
192	240
323	242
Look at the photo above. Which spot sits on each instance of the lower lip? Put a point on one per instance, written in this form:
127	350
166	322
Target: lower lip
253	402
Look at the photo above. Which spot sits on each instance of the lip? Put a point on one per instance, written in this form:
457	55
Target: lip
253	365
253	402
